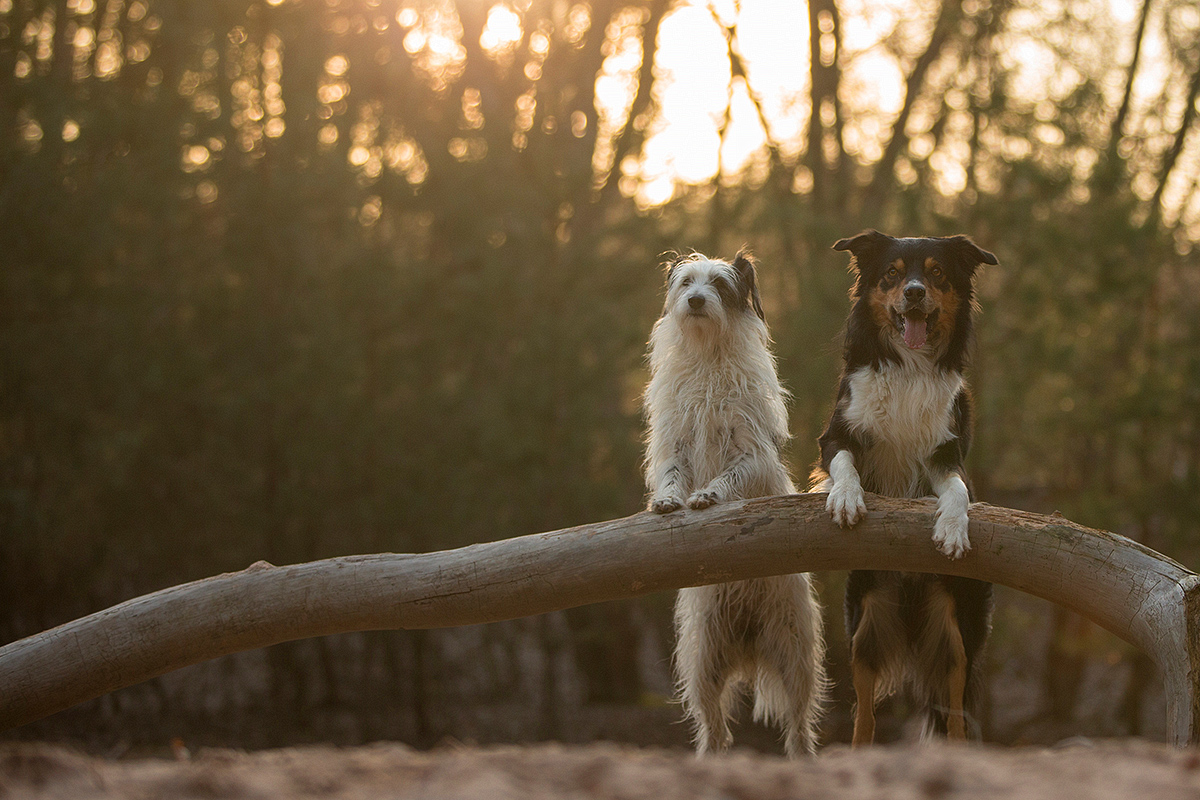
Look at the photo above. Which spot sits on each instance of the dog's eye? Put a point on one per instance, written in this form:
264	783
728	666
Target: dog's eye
893	271
686	282
936	272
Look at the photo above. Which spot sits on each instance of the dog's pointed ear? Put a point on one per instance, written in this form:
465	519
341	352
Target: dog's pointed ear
970	253
862	245
747	272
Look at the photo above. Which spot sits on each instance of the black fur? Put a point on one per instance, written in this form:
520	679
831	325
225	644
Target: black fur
873	252
866	345
744	265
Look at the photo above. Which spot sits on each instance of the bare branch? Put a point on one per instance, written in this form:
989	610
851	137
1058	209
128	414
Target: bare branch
1134	592
1172	154
738	69
782	175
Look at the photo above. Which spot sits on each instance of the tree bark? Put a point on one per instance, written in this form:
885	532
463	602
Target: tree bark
1138	594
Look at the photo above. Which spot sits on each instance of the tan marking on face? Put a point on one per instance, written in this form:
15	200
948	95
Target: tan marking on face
895	296
880	303
930	262
947	302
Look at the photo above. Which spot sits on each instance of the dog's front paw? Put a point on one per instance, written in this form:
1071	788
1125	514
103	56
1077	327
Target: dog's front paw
665	505
846	505
950	534
702	499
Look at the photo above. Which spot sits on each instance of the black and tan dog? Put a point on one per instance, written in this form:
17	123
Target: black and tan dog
901	427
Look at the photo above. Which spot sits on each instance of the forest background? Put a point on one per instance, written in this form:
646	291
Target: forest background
291	279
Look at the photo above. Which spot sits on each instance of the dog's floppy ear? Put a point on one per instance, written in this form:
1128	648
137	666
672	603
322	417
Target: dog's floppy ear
970	253
743	265
671	260
862	245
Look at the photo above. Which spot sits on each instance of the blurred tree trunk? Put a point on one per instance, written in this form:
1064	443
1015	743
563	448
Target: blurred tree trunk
1065	663
587	223
883	180
1141	679
1117	129
427	733
56	102
829	192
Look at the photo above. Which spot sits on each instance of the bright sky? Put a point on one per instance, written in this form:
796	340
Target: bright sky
879	39
707	124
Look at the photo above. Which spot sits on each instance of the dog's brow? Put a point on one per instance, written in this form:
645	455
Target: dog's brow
930	262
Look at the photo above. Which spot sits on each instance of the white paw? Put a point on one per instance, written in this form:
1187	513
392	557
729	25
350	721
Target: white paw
702	499
950	534
846	504
665	505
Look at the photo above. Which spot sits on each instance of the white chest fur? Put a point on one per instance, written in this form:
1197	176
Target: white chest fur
905	410
713	418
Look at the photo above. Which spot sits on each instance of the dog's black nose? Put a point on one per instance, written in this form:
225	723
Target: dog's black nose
696	301
914	293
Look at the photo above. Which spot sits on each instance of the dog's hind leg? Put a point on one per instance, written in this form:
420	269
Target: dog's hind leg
711	712
795	696
943	624
877	641
789	655
707	700
956	727
704	666
942	664
865	679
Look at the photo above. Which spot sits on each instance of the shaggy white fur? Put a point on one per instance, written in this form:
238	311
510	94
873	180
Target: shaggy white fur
717	421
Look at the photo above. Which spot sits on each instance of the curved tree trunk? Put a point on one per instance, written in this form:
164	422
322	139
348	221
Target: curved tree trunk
1138	594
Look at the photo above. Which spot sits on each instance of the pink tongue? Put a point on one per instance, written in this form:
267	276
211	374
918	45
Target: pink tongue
914	332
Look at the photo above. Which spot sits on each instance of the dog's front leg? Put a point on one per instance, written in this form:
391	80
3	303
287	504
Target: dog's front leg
950	528
727	485
749	461
671	480
845	503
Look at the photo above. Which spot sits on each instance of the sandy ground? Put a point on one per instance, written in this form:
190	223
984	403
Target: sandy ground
1099	770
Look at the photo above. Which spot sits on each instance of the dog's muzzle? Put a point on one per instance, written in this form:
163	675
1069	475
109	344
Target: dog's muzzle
913	317
914	294
697	306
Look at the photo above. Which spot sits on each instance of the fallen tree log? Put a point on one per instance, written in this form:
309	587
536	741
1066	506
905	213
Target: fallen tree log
1138	594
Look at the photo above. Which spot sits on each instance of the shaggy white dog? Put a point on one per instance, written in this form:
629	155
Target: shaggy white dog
717	421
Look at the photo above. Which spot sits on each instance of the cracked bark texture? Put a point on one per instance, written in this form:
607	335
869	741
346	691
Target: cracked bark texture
1138	594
